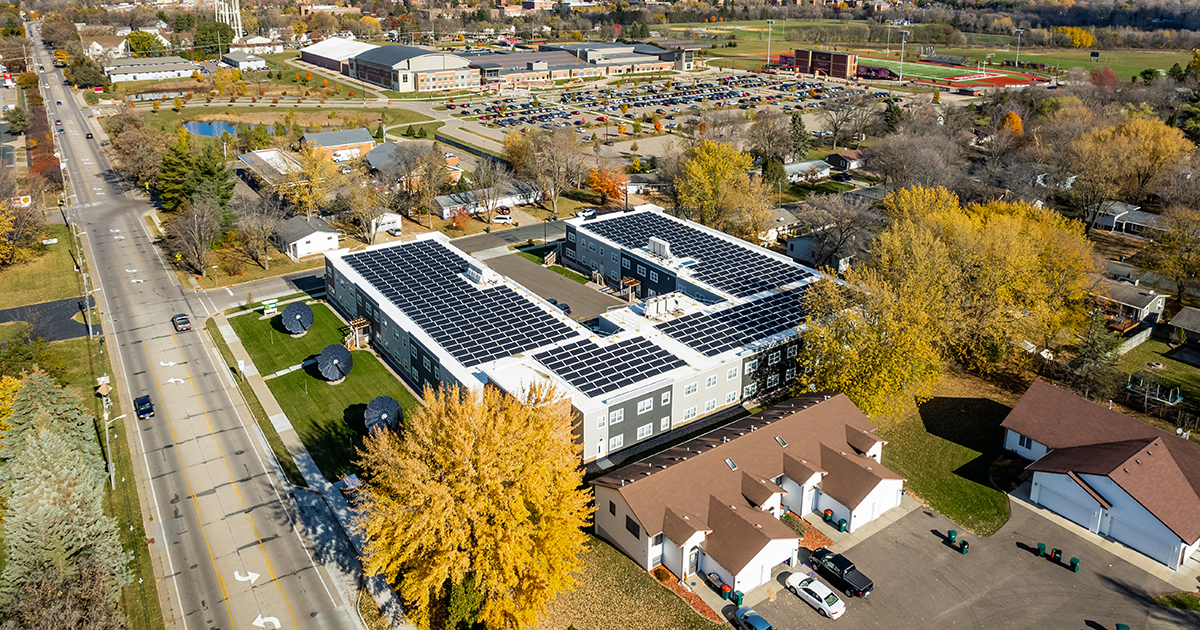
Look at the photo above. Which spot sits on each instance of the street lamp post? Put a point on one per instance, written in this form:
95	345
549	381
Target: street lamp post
1019	31
770	23
903	40
889	41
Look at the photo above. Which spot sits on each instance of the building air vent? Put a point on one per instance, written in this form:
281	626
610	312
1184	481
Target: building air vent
659	248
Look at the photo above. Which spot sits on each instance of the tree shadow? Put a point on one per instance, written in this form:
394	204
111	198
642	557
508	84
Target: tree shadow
353	417
1139	595
973	423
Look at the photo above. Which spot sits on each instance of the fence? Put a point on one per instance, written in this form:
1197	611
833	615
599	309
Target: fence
473	150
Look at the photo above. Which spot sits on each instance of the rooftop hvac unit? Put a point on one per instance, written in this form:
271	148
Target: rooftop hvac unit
659	247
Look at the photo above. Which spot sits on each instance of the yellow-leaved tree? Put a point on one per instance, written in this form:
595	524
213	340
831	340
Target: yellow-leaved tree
477	499
715	189
308	186
1012	123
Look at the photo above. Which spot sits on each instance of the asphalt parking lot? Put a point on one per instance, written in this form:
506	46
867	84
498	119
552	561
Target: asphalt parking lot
586	303
921	582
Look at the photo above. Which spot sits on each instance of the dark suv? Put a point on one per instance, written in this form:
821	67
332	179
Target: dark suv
145	408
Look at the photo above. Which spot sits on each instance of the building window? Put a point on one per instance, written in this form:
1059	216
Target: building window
612	508
591	247
615	417
601	251
616	442
570	253
749	390
612	273
730	397
653	276
773	358
614	256
773	380
426	362
710	381
633	527
751	366
600	421
731	374
791	352
625	263
641	271
790	374
658	540
645	405
664	424
1025	442
710	405
645	431
690	389
690	413
666	398
570	237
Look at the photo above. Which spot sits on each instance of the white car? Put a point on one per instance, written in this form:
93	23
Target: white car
502	218
587	213
819	596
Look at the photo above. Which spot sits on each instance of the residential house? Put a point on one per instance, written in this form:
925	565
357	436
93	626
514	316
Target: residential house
271	170
644	183
382	159
471	201
105	47
342	145
245	62
1185	327
782	223
1128	304
713	504
1118	216
807	171
1108	473
257	45
811	250
847	160
303	236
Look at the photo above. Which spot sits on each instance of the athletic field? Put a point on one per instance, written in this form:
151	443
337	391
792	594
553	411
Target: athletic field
927	71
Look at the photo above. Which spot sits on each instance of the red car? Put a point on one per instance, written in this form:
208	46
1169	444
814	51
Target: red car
602	118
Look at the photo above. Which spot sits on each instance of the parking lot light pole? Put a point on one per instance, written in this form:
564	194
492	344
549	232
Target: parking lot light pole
903	40
770	23
1019	31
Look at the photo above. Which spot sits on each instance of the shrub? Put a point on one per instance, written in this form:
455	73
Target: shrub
661	574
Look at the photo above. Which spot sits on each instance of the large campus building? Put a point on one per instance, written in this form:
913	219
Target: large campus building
412	69
837	65
717	323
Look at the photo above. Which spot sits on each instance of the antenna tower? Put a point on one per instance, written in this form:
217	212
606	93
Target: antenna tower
230	12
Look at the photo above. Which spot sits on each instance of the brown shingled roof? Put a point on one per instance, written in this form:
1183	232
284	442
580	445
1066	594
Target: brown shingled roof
685	477
1160	471
680	527
739	533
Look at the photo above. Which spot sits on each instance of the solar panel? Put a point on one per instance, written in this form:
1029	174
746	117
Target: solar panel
423	279
714	333
725	265
595	369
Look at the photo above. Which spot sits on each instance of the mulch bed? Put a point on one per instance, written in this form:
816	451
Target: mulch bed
814	539
693	600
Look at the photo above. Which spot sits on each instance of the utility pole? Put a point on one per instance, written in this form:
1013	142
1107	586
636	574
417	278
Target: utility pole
903	40
770	23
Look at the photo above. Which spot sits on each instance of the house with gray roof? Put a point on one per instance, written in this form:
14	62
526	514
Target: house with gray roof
1118	216
341	145
304	236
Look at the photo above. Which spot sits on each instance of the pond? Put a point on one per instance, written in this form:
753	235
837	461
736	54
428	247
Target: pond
210	129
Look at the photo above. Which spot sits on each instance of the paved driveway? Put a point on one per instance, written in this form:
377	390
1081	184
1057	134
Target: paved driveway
586	302
920	582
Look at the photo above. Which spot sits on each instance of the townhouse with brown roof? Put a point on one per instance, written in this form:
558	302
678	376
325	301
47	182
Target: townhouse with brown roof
713	503
1109	473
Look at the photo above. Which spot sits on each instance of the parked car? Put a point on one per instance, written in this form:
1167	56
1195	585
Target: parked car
89	136
816	594
502	218
181	322
58	102
395	232
608	143
566	308
842	573
843	177
746	619
145	408
58	122
587	213
504	210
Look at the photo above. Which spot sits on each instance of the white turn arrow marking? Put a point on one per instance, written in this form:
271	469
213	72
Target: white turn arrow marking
131	271
136	281
262	621
119	238
166	363
250	577
111	230
174	380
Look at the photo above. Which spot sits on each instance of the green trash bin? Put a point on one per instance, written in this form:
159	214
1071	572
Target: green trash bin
1075	565
738	596
1041	550
842	525
1056	555
952	535
828	516
488	229
963	547
1122	626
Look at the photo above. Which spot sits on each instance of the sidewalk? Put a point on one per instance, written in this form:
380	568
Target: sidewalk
844	541
337	559
1186	578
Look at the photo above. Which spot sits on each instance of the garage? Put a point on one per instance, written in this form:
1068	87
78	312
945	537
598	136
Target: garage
1140	539
1066	507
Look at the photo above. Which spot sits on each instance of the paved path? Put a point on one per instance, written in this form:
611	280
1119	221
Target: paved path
52	320
311	282
334	552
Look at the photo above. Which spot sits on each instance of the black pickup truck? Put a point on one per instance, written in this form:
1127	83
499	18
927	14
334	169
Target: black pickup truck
842	573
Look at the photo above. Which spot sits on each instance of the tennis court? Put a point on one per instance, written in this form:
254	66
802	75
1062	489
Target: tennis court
914	70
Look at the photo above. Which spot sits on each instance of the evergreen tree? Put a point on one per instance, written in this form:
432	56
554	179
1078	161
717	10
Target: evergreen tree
211	171
380	134
421	133
774	174
408	133
56	516
892	115
41	403
175	182
801	141
1177	72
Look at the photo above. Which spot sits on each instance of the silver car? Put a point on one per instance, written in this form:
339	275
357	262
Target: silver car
746	619
816	594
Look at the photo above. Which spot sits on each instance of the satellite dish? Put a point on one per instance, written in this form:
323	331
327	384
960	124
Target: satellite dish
297	318
383	413
335	362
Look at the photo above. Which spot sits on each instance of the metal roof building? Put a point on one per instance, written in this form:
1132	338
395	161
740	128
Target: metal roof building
334	53
412	69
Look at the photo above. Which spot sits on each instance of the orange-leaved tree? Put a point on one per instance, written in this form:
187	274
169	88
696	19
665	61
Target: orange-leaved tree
607	183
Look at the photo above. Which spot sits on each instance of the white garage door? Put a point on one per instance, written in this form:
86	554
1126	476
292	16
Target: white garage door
1141	540
1065	507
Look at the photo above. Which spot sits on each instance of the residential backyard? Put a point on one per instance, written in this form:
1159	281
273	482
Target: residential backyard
945	450
328	418
1173	373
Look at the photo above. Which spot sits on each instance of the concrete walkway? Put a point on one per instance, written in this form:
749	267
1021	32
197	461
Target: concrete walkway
338	558
1187	578
842	542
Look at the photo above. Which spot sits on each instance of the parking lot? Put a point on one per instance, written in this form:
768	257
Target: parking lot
923	582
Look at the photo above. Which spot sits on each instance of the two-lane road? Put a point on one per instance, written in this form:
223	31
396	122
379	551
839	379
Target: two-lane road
217	513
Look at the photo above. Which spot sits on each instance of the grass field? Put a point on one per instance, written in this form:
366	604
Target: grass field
917	70
50	276
166	119
272	348
1173	373
945	450
1124	62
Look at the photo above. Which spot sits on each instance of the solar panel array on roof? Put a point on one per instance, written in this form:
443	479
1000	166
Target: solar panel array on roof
595	369
724	265
714	333
474	325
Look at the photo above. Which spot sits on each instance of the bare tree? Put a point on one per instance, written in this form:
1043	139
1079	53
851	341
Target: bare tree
257	219
906	160
419	174
837	117
559	163
193	234
769	137
839	223
367	204
491	182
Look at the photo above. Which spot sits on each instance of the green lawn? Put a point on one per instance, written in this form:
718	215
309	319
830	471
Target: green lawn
1180	599
917	70
49	276
946	449
281	453
800	192
272	348
329	418
1124	62
1173	374
613	593
168	119
567	273
429	127
85	362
